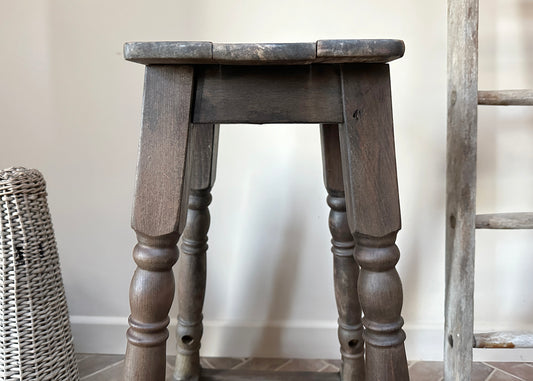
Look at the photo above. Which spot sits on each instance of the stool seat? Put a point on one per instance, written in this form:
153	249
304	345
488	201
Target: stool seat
323	51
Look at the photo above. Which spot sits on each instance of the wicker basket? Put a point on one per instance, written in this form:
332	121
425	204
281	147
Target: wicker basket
35	336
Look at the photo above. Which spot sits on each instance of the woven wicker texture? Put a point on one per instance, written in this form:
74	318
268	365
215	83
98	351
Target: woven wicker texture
35	336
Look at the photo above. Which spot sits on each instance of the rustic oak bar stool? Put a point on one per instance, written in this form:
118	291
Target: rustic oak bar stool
191	87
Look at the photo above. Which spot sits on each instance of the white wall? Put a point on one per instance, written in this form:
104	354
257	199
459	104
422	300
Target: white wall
71	106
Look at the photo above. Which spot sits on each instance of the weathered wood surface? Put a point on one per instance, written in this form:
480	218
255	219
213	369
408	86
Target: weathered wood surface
247	375
248	54
160	199
504	221
294	94
331	159
345	269
505	339
168	52
370	51
373	211
192	261
161	182
460	187
367	143
204	141
506	97
331	51
356	95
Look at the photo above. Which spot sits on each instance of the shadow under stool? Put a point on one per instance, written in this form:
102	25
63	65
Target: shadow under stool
192	87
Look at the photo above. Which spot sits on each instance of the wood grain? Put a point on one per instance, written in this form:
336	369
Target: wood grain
505	339
345	269
367	146
161	182
505	221
261	54
192	262
460	187
331	160
506	97
363	193
373	210
168	52
369	170
201	52
369	51
204	143
160	200
294	94
381	297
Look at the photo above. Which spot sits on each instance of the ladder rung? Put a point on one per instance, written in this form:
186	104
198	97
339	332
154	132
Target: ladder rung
506	97
504	221
506	339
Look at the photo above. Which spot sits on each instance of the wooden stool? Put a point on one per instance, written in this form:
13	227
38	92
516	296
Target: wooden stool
191	87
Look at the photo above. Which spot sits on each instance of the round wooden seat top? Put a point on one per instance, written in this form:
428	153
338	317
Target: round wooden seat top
322	51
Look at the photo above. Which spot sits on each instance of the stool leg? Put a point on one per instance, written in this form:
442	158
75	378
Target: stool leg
369	168
159	214
345	269
192	262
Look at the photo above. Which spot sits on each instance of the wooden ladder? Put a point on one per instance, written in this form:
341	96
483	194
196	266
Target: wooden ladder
463	100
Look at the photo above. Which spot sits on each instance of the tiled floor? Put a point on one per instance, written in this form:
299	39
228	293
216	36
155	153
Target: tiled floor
109	367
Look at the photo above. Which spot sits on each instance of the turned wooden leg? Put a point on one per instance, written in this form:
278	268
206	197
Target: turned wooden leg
345	269
192	263
159	213
369	169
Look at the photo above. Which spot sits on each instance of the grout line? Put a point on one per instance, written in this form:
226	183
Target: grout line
282	365
81	356
503	371
326	364
208	363
103	369
490	375
242	363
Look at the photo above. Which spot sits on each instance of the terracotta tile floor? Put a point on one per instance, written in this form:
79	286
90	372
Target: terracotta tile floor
109	367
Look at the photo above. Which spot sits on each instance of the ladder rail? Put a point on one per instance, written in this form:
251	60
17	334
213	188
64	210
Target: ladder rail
460	187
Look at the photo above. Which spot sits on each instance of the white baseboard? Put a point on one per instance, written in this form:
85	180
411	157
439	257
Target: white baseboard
295	339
